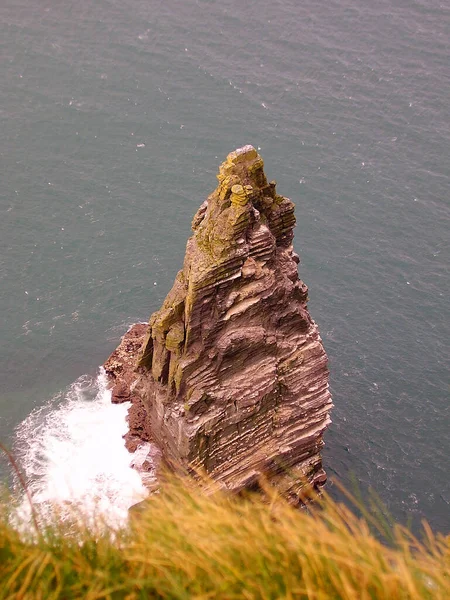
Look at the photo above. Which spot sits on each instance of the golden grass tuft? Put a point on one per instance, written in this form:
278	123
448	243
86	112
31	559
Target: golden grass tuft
188	543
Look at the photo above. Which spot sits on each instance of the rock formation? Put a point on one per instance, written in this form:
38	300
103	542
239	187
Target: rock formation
230	375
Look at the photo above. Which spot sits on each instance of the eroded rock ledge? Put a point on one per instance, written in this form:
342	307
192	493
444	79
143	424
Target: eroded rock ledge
230	375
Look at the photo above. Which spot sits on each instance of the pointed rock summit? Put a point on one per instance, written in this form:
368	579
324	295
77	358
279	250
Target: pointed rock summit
230	375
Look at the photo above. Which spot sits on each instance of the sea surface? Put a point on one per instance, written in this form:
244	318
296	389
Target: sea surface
115	115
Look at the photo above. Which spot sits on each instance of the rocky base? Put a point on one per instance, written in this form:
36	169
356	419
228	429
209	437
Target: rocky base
120	369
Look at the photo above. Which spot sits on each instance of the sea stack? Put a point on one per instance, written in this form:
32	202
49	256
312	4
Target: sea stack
230	375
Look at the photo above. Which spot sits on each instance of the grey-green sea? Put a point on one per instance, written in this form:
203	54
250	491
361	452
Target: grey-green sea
115	115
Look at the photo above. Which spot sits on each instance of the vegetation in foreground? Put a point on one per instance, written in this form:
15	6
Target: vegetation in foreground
190	544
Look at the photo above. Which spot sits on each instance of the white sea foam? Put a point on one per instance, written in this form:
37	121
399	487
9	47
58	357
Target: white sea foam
73	455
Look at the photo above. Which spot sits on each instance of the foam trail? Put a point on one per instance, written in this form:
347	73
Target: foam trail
73	455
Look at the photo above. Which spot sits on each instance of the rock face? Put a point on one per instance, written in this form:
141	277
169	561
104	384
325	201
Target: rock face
231	376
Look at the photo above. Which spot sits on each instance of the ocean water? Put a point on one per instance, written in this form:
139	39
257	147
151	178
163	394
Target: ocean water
114	117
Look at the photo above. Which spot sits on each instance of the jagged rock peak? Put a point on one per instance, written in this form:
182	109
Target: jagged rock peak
242	199
232	374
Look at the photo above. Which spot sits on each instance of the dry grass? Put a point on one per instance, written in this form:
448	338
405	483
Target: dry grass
189	544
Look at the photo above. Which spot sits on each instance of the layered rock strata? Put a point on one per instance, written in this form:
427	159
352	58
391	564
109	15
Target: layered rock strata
231	375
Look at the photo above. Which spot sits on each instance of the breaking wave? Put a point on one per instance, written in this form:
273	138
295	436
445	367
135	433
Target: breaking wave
73	456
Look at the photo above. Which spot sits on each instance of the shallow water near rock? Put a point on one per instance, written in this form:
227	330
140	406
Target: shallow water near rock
115	116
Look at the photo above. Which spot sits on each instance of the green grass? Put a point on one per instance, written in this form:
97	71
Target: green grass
189	543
